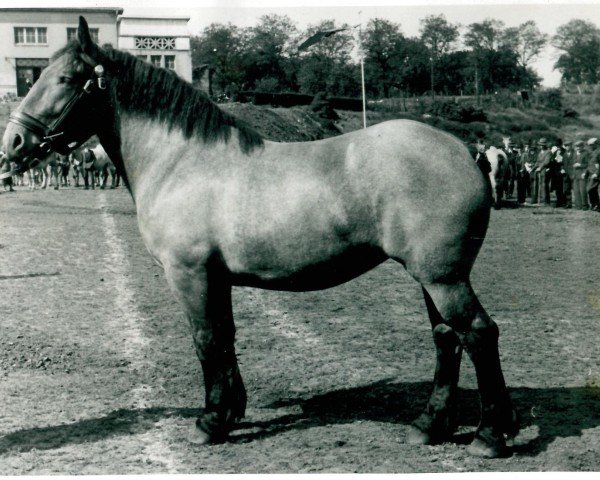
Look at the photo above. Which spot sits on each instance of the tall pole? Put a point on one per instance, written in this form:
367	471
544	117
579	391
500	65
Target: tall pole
362	71
362	81
432	80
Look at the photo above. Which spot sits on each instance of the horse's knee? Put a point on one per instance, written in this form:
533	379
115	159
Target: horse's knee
445	337
483	326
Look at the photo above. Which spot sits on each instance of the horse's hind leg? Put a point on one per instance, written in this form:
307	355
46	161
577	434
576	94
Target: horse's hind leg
206	297
478	334
438	422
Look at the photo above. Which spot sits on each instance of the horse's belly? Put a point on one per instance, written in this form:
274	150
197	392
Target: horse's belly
314	276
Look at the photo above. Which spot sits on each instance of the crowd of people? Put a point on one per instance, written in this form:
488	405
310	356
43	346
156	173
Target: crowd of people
570	170
56	170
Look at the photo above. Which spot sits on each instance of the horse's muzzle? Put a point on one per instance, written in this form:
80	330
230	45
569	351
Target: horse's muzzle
19	144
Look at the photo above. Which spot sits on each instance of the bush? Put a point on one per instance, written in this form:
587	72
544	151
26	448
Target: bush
267	84
457	113
570	113
550	98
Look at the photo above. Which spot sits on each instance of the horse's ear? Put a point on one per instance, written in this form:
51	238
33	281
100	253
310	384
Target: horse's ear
85	39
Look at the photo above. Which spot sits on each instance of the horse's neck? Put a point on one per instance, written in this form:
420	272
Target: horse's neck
149	148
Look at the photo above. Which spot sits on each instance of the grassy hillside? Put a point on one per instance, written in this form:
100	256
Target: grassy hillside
464	121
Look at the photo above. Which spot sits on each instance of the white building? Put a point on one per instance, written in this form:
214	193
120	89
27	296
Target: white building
29	37
162	41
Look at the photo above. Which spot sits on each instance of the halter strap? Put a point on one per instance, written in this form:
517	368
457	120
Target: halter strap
30	123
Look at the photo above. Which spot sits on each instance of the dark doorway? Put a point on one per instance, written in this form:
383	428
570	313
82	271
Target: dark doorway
28	71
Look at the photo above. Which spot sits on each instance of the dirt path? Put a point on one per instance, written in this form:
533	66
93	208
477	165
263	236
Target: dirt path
98	373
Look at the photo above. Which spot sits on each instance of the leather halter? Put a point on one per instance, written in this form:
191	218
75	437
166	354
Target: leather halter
56	131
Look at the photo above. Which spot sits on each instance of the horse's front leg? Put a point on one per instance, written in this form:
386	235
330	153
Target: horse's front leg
206	297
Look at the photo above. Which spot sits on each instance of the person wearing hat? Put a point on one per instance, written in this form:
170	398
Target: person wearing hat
542	174
566	170
508	147
558	173
593	171
481	159
524	164
579	176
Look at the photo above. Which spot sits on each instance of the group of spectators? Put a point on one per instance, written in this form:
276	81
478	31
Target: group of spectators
569	169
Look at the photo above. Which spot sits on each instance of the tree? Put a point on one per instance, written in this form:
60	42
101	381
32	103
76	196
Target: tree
267	51
327	65
220	46
382	43
580	42
438	35
483	38
484	35
526	40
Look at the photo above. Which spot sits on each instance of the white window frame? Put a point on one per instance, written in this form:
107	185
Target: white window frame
21	35
170	57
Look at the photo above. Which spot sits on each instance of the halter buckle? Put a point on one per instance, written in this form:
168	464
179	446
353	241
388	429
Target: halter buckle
87	88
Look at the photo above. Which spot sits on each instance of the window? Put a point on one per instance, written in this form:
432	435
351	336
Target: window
31	35
170	62
72	33
155	43
156	60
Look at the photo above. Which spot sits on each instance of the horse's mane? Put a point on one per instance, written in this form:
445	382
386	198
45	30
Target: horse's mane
144	89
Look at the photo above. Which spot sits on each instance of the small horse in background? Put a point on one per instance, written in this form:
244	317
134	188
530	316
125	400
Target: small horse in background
104	166
43	172
499	174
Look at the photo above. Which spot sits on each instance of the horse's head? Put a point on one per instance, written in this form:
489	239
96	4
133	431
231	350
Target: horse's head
63	107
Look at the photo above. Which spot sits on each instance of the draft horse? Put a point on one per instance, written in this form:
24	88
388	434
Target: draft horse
219	206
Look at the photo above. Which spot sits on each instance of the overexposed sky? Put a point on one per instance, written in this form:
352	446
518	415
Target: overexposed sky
547	14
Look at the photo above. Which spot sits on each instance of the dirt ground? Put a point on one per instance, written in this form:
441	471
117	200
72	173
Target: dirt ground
98	373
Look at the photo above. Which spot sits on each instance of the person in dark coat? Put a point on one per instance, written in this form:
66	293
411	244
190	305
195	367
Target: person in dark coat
579	178
481	159
593	172
543	173
524	162
557	172
566	170
511	157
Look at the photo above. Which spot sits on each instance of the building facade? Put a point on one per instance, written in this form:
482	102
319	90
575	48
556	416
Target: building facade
162	41
29	37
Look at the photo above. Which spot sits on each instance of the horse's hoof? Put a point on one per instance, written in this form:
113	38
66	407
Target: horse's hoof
481	448
198	436
416	436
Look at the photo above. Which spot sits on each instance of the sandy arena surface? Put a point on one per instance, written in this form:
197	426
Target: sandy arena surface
98	373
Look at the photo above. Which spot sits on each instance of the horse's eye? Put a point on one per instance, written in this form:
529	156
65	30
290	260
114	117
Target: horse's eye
65	79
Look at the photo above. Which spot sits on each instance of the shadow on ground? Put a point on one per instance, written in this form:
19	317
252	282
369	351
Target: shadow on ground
557	412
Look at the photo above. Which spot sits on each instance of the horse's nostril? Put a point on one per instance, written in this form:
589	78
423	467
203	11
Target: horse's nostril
17	142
